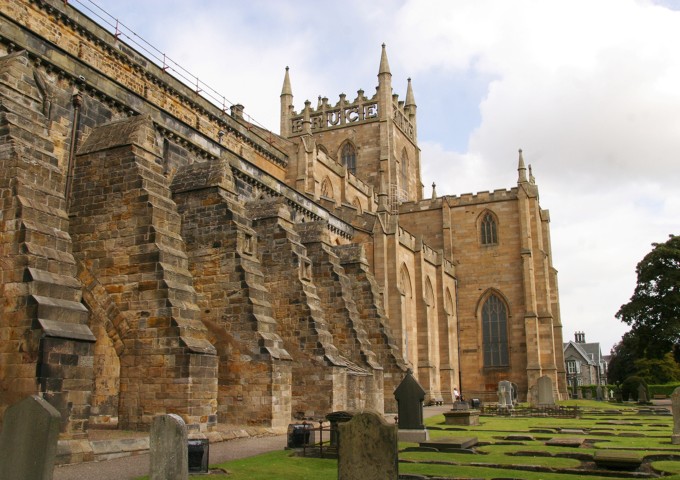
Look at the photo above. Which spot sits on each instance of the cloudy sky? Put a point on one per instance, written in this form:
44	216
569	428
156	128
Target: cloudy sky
589	89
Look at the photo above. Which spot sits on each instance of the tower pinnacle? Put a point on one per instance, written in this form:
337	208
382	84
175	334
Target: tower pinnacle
286	106
410	99
286	90
521	169
384	64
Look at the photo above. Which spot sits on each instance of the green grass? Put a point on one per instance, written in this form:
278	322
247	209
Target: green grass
498	459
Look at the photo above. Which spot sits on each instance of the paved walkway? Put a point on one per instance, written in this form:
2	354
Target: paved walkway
128	468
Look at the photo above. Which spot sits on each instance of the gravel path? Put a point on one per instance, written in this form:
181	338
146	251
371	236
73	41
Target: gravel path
128	468
133	467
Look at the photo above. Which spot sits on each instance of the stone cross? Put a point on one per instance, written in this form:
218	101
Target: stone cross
28	442
168	448
368	448
675	404
545	391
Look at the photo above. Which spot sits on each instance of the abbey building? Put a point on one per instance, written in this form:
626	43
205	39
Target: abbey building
161	255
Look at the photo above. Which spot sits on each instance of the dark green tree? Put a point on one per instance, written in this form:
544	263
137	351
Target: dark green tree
658	371
653	311
622	361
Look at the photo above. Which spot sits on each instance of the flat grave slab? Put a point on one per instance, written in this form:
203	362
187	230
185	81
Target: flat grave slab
617	459
573	431
451	442
519	438
566	442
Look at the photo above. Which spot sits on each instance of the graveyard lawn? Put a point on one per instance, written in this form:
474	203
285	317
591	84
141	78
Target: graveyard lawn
511	447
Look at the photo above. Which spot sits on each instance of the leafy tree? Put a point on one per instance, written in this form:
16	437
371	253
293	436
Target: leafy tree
658	371
622	361
653	311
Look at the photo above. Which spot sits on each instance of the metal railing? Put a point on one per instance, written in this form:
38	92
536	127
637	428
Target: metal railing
161	59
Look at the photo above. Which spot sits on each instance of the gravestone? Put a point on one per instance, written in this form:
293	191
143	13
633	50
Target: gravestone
504	395
545	391
598	393
642	394
410	396
368	448
28	442
168	448
461	414
675	403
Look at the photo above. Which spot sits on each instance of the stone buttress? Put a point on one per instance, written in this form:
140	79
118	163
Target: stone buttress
254	371
319	378
368	301
46	347
364	384
127	236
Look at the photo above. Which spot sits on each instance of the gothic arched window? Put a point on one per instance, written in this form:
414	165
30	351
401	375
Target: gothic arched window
404	173
488	230
495	332
348	157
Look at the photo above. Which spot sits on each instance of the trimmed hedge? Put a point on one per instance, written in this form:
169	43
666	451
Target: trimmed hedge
666	389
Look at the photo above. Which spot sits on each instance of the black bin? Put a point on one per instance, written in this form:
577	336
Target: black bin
300	434
199	450
475	403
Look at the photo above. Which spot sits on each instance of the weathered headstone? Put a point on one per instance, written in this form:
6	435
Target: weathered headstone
410	396
168	448
461	414
504	394
642	394
675	404
545	391
28	442
598	393
368	448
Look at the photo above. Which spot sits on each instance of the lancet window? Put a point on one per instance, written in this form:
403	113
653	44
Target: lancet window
495	332
488	230
348	156
404	173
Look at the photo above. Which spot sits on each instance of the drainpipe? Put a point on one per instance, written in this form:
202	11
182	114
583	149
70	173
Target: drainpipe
77	101
460	374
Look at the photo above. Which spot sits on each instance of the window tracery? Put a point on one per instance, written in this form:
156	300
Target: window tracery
495	332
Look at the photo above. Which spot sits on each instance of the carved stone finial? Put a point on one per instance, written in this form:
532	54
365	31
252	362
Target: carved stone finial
286	89
434	191
521	168
384	64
